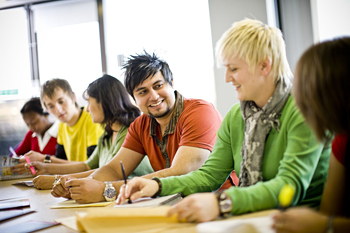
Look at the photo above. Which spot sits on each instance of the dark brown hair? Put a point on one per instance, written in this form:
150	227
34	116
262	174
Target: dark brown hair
115	101
321	87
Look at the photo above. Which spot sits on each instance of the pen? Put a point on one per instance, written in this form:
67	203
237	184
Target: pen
14	154
31	167
124	176
286	196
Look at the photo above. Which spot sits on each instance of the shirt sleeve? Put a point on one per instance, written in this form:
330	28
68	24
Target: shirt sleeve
25	145
199	124
297	167
211	175
132	139
60	152
339	147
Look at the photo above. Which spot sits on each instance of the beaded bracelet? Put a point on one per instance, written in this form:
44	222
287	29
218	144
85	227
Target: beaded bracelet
159	187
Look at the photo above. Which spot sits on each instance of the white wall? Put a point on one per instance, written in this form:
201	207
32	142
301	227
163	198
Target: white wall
223	13
330	18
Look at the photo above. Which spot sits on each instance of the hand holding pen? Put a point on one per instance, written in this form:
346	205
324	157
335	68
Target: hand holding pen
28	164
124	176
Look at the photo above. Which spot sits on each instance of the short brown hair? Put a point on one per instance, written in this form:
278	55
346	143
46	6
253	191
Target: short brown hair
321	87
49	87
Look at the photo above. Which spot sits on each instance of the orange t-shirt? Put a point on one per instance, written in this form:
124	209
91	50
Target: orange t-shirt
196	127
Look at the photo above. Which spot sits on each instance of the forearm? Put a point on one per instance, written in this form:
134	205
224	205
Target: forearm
172	171
66	168
82	174
106	173
54	159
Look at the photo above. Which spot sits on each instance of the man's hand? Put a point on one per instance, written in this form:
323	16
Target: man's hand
136	188
200	207
86	190
43	182
60	189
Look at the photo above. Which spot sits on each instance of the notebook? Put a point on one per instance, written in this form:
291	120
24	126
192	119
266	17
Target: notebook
4	215
152	202
14	203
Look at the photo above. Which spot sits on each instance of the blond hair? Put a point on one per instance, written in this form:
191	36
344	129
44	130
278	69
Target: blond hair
253	42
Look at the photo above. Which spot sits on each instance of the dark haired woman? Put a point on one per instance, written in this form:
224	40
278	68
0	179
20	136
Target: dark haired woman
322	82
110	105
42	134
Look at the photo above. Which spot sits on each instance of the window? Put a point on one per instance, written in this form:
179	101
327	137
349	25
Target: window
68	43
177	31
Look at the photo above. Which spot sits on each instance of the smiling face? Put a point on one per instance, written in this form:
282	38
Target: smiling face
62	106
36	122
95	110
253	85
155	97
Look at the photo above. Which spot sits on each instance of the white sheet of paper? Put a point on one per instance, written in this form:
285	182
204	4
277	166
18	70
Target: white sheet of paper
252	225
72	204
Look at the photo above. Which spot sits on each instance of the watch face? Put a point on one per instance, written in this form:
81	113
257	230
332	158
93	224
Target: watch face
110	193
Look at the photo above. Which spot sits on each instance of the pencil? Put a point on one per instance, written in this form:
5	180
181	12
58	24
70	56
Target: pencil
124	176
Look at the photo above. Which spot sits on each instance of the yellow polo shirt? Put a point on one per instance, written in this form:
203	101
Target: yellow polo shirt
77	138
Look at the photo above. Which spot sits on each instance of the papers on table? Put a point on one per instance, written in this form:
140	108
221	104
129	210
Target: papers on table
11	208
248	225
7	214
149	212
28	183
73	204
14	203
152	202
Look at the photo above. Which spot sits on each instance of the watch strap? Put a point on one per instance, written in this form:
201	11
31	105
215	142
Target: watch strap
47	159
224	202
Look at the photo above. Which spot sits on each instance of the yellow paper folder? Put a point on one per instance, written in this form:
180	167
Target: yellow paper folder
126	220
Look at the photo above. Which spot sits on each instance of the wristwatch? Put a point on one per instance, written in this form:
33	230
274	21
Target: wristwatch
225	203
47	159
109	193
